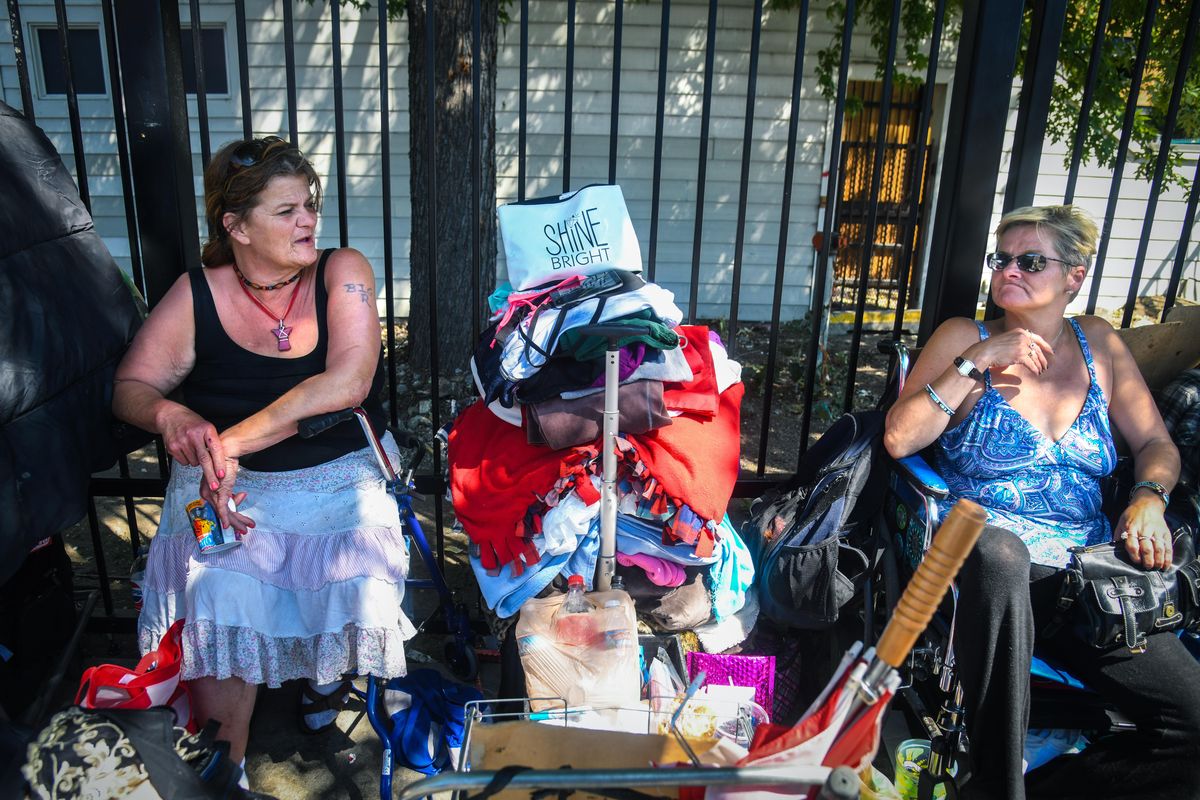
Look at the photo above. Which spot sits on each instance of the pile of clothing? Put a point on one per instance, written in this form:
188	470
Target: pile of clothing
525	460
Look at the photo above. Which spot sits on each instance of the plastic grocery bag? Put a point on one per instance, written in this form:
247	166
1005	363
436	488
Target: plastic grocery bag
602	673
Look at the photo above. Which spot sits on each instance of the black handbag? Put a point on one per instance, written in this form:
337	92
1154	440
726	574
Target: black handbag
1109	601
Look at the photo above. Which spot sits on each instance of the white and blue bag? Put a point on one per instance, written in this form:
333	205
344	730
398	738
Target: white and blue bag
577	233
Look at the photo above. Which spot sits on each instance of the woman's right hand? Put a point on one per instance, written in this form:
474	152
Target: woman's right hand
192	440
1018	346
221	497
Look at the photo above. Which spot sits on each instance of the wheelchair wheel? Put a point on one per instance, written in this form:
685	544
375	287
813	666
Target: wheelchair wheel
460	657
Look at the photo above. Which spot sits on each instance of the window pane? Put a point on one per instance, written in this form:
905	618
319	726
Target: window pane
213	42
87	68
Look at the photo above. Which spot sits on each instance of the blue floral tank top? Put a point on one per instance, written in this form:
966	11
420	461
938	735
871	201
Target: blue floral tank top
1046	492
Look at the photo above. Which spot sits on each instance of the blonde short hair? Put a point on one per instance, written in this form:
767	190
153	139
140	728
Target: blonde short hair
1070	229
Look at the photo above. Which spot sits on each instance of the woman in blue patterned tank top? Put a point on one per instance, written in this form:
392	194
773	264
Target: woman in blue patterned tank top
1022	409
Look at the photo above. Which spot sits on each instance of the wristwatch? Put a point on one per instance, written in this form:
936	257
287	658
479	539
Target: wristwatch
967	368
1153	486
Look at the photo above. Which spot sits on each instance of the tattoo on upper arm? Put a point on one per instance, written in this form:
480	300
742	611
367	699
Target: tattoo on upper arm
361	289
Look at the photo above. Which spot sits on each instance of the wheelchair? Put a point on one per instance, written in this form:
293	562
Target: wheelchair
932	695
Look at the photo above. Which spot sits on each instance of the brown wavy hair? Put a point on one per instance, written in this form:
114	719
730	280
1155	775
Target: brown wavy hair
234	179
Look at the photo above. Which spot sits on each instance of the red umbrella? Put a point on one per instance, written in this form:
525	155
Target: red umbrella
843	725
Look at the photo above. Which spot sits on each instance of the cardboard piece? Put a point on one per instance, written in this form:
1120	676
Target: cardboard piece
550	746
1164	350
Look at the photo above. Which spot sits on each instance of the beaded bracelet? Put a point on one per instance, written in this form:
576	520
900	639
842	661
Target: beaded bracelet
1153	486
940	403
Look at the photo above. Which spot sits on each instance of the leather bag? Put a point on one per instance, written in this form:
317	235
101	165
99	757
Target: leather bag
1109	601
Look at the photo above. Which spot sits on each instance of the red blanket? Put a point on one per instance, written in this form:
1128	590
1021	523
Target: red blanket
496	475
696	459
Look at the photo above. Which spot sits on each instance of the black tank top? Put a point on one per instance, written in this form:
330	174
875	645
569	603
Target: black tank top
229	383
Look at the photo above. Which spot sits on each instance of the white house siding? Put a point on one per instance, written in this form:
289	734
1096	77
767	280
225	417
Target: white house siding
590	140
1127	224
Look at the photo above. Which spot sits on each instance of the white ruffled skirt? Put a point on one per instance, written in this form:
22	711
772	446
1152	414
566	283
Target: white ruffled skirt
313	592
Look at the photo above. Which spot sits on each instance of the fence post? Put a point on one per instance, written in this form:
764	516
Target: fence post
160	153
1037	81
983	74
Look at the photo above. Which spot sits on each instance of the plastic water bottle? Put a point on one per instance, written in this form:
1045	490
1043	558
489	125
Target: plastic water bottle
617	634
575	621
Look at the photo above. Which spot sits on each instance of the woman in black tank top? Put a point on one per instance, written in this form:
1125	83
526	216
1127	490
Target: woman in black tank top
269	332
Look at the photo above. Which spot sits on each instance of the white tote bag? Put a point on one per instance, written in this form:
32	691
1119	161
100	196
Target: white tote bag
578	233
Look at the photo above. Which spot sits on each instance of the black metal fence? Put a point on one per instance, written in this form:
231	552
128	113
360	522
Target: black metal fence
941	242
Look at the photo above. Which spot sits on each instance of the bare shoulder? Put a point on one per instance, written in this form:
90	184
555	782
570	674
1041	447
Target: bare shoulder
1101	336
955	331
1092	324
176	304
347	265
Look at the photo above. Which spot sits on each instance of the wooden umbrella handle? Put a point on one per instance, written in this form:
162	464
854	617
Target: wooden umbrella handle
928	586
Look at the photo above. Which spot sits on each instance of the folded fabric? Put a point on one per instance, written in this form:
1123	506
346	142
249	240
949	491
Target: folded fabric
498	299
727	371
638	536
501	485
495	475
559	374
643	326
537	334
659	365
485	363
693	461
658	571
566	522
733	573
631	357
562	423
699	394
511	414
505	591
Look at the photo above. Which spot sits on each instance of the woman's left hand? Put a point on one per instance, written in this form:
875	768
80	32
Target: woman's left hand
1147	536
220	498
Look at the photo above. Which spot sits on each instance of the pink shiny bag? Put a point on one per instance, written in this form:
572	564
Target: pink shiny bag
737	670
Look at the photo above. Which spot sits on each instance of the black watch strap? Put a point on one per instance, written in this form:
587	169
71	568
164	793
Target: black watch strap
972	373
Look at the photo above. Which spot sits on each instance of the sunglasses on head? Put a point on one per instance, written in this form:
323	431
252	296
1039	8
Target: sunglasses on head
251	153
1026	262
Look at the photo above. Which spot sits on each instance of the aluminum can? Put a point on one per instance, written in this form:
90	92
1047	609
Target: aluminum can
206	525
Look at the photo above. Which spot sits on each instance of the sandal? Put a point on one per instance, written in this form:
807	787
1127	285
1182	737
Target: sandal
313	702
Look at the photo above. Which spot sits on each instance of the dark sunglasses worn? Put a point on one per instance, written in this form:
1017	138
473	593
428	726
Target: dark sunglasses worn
1026	262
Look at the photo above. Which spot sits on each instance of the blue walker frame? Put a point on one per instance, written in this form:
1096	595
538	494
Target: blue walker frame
459	654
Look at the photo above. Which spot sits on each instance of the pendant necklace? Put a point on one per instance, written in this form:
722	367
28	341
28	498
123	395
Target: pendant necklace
283	331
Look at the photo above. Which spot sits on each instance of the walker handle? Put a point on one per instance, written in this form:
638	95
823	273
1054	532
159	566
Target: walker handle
318	424
951	545
311	426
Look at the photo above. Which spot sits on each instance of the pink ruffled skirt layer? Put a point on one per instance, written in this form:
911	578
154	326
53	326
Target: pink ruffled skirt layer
313	592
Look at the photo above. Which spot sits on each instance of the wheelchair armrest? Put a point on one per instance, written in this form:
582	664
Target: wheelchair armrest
916	470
